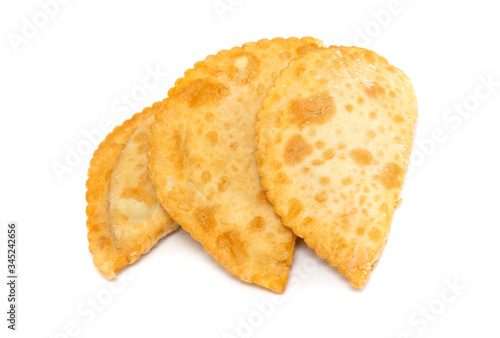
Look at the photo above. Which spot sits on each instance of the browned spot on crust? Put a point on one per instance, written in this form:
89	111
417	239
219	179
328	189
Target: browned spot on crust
306	48
296	150
308	221
375	91
328	154
256	224
281	178
348	107
212	137
141	137
202	92
316	110
361	156
223	184
300	71
209	117
345	218
398	118
347	180
360	100
391	176
369	57
206	176
317	162
104	241
324	180
285	55
320	144
142	192
360	231
321	196
261	197
295	208
246	66
205	218
384	208
143	148
362	200
373	115
374	234
232	242
233	145
341	146
277	165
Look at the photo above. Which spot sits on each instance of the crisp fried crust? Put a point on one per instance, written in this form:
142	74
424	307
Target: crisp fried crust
334	138
128	224
203	165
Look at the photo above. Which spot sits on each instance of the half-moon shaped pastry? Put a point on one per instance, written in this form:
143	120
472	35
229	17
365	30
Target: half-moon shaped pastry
334	138
125	220
202	160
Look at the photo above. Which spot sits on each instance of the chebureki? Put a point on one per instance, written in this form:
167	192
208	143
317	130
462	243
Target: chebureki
334	139
254	146
202	160
125	220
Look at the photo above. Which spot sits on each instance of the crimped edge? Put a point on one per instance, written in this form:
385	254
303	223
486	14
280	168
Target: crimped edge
102	244
359	277
173	92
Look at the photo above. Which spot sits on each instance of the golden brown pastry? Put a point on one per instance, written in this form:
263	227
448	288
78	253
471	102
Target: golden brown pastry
202	160
334	137
124	218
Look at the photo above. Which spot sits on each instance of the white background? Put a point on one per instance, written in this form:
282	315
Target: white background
71	75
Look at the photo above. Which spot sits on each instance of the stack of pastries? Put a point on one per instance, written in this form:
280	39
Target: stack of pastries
252	147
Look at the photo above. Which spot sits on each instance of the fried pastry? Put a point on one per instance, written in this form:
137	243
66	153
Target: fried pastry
334	137
202	160
125	220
